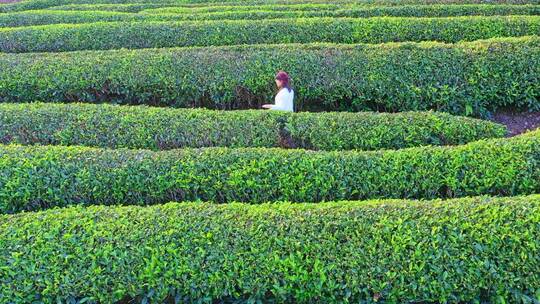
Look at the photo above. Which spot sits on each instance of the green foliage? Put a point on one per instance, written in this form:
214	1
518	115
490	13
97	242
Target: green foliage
355	9
122	4
154	34
284	5
160	129
369	131
469	78
464	250
469	250
34	177
115	7
26	18
42	17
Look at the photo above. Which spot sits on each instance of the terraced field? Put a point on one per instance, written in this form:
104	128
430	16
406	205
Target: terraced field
137	166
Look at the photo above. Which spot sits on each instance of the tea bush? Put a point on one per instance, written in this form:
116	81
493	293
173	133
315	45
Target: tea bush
153	34
359	252
34	177
42	17
471	78
357	9
160	129
41	4
276	5
111	7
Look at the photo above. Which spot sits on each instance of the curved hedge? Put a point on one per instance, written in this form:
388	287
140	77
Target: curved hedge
266	12
42	4
114	7
368	131
34	177
353	11
160	129
363	10
469	250
153	34
27	18
470	78
273	5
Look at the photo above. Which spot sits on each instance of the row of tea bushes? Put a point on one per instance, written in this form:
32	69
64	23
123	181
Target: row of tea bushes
109	7
434	10
36	177
471	78
158	128
154	34
359	252
42	17
111	4
274	5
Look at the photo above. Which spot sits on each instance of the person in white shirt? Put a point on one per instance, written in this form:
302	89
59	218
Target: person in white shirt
285	97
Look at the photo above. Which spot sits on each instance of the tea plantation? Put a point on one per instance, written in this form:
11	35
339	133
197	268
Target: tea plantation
137	166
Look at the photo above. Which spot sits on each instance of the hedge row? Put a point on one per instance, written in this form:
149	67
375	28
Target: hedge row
153	34
52	17
182	14
292	11
463	78
472	250
36	177
159	129
42	4
274	5
369	10
127	8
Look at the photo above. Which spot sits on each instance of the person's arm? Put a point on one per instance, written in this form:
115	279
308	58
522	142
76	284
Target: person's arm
279	102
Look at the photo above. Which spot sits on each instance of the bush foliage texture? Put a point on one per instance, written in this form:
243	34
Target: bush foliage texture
472	78
159	129
42	17
156	34
360	252
34	177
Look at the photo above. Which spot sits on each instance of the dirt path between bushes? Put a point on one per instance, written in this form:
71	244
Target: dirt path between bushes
518	123
9	1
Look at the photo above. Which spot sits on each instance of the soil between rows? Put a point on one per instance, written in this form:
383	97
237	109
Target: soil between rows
518	123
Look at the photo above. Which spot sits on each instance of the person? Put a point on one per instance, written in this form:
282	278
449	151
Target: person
285	96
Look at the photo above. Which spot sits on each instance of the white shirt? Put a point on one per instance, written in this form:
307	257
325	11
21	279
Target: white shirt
284	100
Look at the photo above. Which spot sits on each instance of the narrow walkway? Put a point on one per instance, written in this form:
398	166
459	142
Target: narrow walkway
518	123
